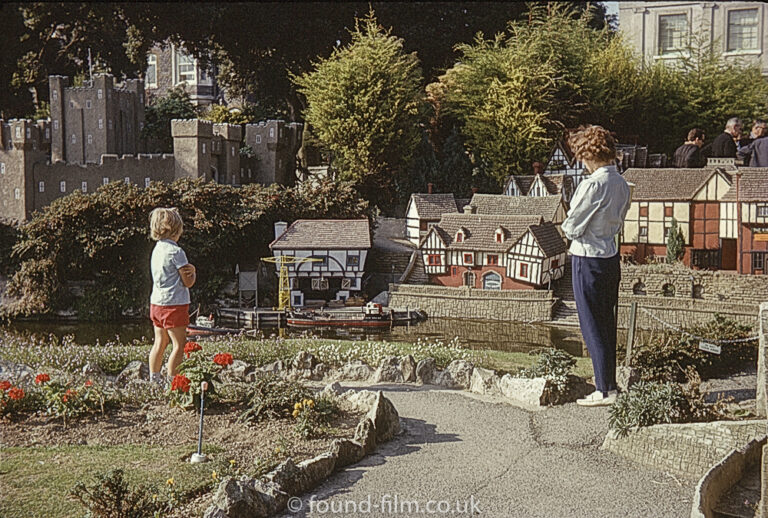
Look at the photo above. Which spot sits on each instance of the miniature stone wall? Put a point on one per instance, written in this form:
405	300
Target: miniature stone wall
472	303
688	450
683	312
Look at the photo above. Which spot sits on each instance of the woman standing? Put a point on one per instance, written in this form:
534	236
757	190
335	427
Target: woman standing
597	213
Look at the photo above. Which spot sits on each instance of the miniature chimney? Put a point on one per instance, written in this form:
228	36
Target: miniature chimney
474	190
429	188
469	209
280	227
538	168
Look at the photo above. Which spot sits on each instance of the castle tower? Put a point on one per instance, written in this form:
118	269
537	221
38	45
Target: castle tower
229	155
56	87
192	148
17	162
274	144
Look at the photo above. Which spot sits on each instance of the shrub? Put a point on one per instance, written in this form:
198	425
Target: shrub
198	367
111	497
311	415
273	397
646	404
554	365
66	400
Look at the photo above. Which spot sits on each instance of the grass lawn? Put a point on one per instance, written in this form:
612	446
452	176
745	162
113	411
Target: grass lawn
35	482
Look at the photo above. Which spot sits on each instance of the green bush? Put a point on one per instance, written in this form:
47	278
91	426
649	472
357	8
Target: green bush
646	404
112	497
311	416
273	397
554	365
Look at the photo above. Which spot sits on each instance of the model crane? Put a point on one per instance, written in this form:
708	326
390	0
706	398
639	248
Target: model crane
284	288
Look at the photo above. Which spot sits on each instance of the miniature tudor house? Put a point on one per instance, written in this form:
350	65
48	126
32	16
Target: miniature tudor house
339	248
425	210
540	184
493	252
551	208
744	221
693	198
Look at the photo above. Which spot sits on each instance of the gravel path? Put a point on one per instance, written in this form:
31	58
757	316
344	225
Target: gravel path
509	462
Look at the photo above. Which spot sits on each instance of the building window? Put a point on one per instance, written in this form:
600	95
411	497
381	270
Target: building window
643	212
668	290
17	193
84	186
666	232
185	68
63	186
469	279
74	139
434	260
41	187
353	260
758	260
643	231
499	236
673	33
492	281
29	132
271	132
127	180
56	124
493	260
90	139
280	164
258	139
762	211
47	133
697	292
667	212
71	104
233	150
55	95
104	180
203	147
2	167
18	131
88	103
146	181
742	30
468	259
454	271
555	263
459	236
101	123
523	269
99	93
109	124
151	74
638	288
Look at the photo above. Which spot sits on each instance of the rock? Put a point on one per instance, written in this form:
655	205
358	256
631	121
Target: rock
385	418
526	391
425	371
408	368
317	469
484	381
365	434
271	494
215	512
304	361
458	374
238	499
626	377
136	370
361	400
319	372
285	476
15	371
575	388
332	389
388	371
356	370
273	368
238	371
347	452
92	370
295	479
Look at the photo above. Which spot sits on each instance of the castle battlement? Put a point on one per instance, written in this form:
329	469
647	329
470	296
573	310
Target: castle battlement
191	128
228	131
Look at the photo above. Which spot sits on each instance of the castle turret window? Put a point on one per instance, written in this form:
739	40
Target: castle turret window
18	131
151	74
203	147
63	186
56	124
146	182
55	95
258	139
41	186
90	139
88	104
29	132
74	139
84	186
2	167
17	193
233	150
109	123
47	133
104	181
271	132
99	93
128	180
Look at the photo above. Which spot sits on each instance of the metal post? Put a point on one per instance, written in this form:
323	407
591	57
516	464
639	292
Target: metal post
631	332
199	457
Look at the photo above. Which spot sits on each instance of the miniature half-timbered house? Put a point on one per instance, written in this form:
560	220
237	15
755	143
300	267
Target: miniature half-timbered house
540	185
690	196
550	208
339	247
561	161
425	210
744	221
493	252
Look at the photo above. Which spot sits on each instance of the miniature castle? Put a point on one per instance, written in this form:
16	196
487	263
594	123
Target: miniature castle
94	138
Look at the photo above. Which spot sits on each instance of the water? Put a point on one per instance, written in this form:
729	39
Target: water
501	336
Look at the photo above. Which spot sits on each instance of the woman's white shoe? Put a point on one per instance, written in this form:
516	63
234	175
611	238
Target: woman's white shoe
597	398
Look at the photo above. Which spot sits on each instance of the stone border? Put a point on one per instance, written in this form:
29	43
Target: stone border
268	495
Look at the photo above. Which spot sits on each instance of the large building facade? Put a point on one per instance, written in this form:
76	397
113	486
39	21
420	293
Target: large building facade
170	66
663	31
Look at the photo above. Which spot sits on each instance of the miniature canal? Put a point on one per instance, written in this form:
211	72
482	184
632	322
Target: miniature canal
501	336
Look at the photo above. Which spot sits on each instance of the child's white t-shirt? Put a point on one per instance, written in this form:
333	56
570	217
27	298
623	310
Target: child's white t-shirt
167	288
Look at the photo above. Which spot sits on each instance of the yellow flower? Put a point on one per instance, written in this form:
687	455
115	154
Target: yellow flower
310	403
213	475
154	497
297	406
296	413
278	449
231	462
169	481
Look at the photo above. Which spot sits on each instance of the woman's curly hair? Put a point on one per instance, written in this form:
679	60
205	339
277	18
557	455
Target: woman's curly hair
593	143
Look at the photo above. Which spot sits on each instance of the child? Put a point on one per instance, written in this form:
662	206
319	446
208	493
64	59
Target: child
172	276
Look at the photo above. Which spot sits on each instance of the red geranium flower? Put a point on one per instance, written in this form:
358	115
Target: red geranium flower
42	378
223	359
191	347
89	383
5	385
16	393
180	382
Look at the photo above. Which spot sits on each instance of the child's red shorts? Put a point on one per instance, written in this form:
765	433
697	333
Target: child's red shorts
168	317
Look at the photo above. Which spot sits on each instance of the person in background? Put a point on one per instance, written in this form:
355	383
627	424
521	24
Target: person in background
724	145
757	131
172	276
689	154
597	213
756	153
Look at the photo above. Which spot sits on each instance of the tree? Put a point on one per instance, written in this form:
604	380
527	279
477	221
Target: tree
675	243
158	117
366	105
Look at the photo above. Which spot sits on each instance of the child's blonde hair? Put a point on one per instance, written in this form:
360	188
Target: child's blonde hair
165	223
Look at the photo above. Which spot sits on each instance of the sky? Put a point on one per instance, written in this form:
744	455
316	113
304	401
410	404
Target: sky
612	7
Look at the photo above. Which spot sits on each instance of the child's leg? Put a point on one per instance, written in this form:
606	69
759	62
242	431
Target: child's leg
178	337
158	351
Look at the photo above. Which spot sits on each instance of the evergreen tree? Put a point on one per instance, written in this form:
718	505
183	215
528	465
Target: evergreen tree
675	243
